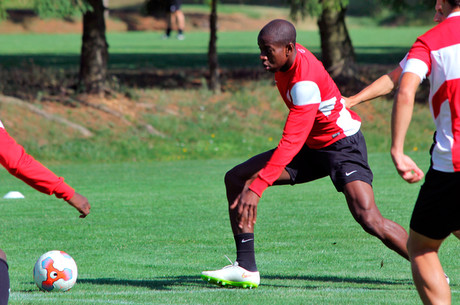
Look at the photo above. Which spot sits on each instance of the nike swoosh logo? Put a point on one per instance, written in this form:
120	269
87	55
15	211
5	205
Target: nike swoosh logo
352	172
246	240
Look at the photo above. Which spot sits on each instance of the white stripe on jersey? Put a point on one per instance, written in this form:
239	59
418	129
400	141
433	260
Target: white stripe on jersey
416	66
444	66
327	106
346	122
442	152
305	93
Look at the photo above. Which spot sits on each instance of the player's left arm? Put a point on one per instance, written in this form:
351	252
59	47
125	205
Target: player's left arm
381	86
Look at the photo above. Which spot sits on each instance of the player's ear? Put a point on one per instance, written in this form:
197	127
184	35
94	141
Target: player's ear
289	49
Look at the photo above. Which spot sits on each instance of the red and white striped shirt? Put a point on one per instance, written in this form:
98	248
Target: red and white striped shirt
317	115
436	54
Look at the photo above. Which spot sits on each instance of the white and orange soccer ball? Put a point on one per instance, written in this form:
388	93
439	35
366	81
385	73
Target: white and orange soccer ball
55	271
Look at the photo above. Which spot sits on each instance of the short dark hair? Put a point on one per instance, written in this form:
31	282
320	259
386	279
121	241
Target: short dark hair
281	31
454	3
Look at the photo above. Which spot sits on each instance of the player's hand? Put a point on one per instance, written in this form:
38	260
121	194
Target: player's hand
246	203
348	102
81	204
407	168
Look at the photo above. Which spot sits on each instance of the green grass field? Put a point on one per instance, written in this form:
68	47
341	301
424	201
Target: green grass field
133	50
154	227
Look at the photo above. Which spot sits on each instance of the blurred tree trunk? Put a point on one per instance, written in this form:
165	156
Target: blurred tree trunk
94	50
338	55
214	81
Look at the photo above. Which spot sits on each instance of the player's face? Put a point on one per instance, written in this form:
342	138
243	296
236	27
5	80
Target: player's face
274	57
439	16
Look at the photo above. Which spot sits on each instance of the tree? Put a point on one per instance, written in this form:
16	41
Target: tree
337	50
94	51
214	78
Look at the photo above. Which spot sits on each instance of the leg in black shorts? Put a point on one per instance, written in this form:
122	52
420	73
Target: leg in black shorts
437	210
4	282
346	163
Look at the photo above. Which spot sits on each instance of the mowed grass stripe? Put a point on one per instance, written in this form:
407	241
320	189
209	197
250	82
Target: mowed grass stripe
140	50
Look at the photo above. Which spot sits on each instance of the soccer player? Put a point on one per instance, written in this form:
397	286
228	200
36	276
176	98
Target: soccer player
321	138
23	166
175	15
435	55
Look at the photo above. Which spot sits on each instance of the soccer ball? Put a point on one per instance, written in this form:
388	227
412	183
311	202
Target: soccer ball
55	271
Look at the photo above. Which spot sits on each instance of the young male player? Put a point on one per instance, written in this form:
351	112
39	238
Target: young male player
321	138
435	55
23	166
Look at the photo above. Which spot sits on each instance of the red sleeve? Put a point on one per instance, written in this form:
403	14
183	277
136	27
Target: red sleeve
23	166
421	51
298	126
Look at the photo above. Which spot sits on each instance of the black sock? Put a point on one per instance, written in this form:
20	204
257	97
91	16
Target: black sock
245	255
4	283
168	32
180	32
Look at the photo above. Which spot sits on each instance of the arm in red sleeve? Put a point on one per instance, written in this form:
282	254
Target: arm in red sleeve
23	166
296	130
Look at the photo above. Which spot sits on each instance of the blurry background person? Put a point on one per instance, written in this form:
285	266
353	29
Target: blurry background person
175	16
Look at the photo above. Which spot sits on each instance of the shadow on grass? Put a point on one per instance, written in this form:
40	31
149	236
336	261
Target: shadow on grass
127	61
168	283
367	283
163	283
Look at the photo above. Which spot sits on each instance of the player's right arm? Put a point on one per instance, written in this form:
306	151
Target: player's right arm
400	120
380	87
81	203
24	167
296	131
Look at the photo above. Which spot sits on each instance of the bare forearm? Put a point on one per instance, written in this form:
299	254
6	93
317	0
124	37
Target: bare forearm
402	111
400	121
382	86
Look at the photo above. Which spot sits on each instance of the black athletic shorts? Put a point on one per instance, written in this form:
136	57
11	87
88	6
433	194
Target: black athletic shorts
437	209
344	161
4	283
174	5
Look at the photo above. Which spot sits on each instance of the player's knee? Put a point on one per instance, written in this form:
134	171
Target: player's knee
233	177
229	178
415	249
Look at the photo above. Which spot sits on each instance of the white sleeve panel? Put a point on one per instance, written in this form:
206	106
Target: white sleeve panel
305	93
417	67
402	63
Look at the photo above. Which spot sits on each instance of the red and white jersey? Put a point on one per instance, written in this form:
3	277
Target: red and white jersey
436	55
317	114
23	166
